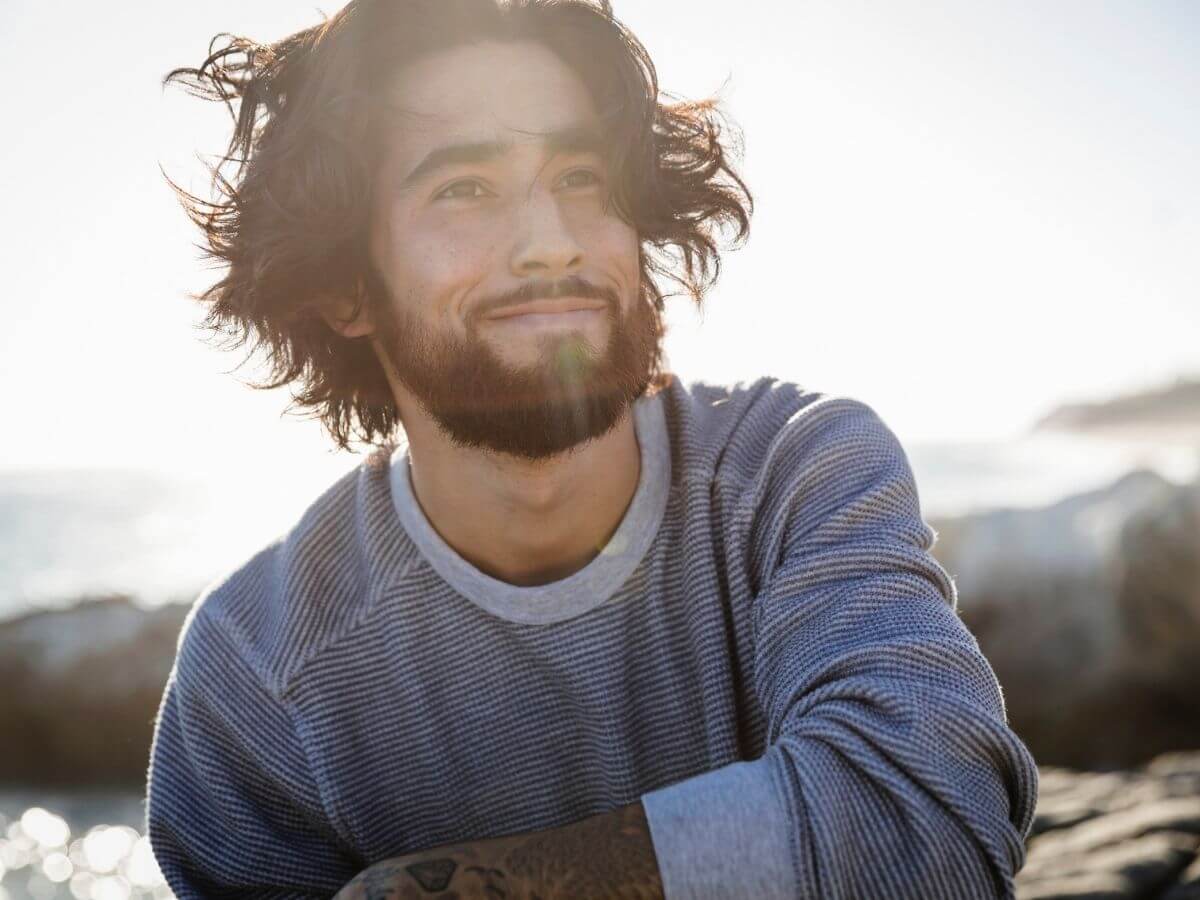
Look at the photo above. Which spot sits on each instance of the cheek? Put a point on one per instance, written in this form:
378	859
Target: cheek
440	262
621	248
605	237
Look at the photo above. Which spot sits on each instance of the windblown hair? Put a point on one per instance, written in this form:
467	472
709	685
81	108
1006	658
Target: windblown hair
288	221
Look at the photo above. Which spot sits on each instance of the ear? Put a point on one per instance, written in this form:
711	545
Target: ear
340	316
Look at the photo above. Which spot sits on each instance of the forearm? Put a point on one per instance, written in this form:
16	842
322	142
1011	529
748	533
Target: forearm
609	855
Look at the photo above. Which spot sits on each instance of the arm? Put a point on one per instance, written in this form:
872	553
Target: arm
890	771
605	856
232	807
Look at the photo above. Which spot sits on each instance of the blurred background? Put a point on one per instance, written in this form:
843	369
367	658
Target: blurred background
981	219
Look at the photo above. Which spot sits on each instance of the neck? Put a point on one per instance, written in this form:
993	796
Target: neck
521	521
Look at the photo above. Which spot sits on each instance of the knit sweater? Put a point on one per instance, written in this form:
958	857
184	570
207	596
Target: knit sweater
765	654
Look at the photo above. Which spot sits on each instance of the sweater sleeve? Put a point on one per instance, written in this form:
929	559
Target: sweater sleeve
890	771
232	807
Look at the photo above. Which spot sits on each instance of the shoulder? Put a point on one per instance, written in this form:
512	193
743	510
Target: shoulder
791	469
775	430
303	590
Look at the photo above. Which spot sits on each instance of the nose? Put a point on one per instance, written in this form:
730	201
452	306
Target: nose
544	244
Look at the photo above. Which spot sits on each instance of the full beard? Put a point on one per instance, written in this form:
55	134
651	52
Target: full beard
574	393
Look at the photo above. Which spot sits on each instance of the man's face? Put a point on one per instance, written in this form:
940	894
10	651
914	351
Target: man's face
514	313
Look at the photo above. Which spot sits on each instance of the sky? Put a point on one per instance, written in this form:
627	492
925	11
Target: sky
967	214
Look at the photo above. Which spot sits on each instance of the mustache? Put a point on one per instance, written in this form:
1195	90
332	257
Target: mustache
572	286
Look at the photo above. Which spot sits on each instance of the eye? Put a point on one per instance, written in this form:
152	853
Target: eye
456	191
592	177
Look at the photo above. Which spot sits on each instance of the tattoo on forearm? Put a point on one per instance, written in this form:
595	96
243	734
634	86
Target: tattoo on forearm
432	874
606	856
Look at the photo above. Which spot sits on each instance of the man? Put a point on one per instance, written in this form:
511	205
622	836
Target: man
586	631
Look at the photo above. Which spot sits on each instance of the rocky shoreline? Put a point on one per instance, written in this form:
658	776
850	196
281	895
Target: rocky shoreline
81	689
1123	835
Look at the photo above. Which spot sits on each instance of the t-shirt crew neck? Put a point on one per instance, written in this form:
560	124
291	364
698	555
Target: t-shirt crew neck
581	591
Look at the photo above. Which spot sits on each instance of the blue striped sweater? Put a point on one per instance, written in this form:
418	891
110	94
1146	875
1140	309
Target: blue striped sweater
765	653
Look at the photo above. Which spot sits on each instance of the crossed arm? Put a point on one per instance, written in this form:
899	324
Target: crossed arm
609	855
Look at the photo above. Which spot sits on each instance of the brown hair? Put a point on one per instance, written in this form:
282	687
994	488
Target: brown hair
289	219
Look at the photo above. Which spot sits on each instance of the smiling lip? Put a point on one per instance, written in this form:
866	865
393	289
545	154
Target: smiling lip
542	307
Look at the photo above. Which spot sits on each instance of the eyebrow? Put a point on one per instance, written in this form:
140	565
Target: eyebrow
573	139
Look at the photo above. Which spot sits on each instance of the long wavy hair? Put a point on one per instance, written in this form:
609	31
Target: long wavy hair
289	212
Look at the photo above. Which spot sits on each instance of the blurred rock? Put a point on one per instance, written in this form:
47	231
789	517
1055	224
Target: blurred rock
1089	611
1076	538
1175	405
1132	834
1188	886
81	689
1158	592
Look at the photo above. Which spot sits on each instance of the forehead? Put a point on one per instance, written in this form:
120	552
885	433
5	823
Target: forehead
489	91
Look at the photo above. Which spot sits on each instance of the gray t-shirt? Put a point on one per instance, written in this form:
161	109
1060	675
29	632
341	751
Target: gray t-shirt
586	589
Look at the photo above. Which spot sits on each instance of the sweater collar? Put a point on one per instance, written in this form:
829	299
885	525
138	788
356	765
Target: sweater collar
581	591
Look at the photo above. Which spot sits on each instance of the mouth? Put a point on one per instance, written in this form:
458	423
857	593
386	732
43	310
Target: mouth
546	309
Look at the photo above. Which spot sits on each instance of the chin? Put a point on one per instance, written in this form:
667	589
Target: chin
564	355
